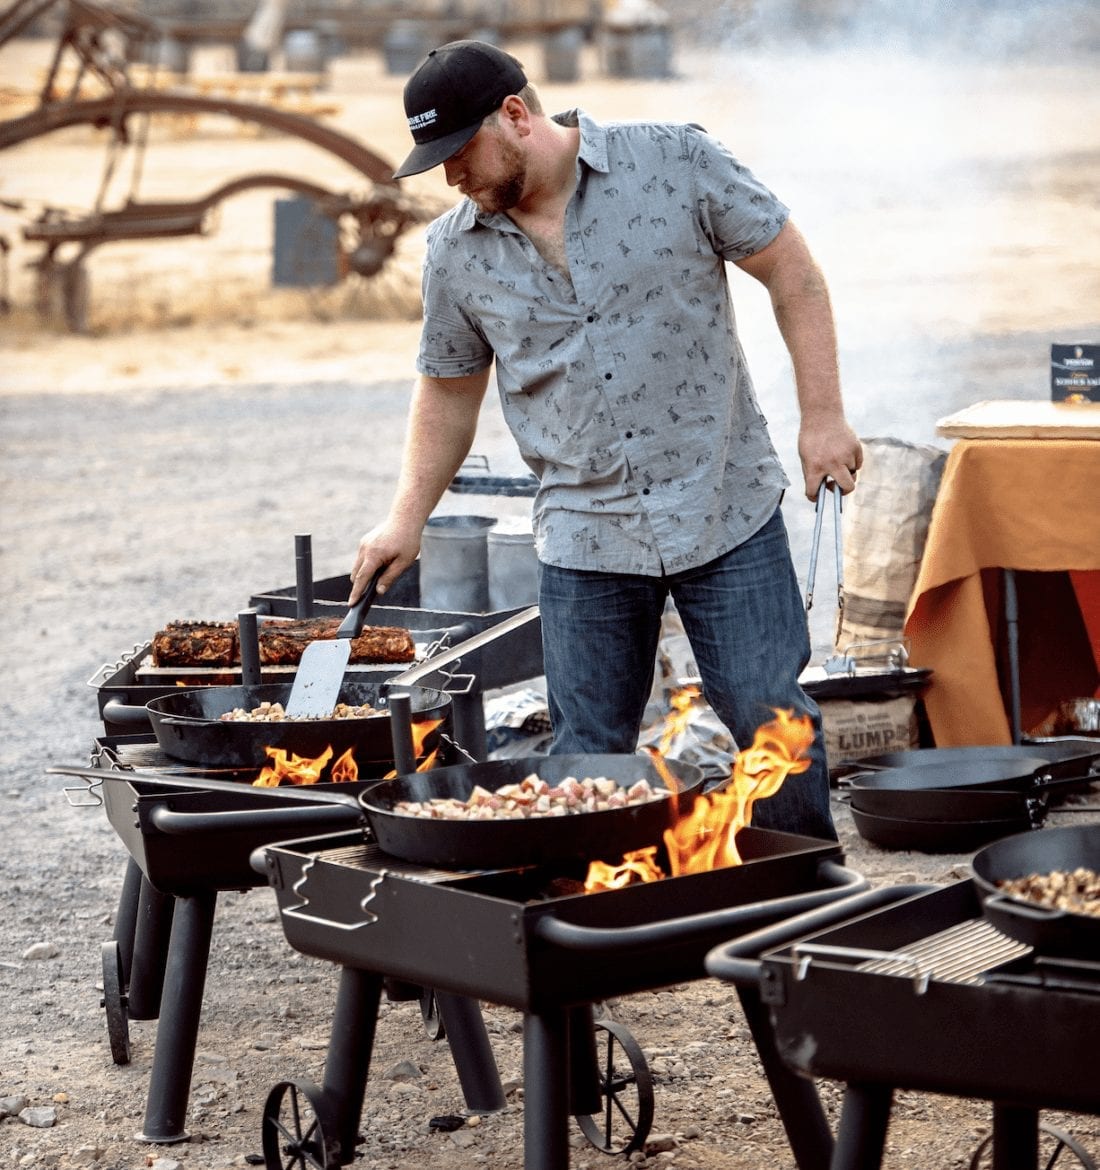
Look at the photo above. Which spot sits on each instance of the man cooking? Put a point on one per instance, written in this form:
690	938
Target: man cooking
587	262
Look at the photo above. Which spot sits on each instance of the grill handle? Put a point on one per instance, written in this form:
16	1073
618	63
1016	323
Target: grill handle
321	818
838	882
124	714
737	961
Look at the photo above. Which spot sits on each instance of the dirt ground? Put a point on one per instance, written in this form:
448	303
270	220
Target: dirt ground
159	466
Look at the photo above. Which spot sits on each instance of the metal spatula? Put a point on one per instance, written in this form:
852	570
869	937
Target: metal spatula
320	673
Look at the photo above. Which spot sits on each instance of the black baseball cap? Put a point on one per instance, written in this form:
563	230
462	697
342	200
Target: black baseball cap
451	93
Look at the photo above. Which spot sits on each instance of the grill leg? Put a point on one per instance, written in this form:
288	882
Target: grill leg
546	1090
178	1030
796	1098
126	919
473	1056
349	1052
584	1075
864	1119
151	941
1015	1138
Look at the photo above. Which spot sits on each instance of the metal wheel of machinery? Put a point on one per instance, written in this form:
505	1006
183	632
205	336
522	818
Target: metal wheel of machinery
295	1122
626	1089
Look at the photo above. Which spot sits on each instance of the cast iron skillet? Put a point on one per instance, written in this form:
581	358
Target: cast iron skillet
1024	774
949	804
1064	757
1049	931
499	844
188	726
947	836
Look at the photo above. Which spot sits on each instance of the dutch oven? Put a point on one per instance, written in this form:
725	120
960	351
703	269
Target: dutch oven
1049	931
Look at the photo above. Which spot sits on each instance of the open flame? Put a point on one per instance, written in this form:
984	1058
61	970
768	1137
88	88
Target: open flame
287	767
420	732
705	837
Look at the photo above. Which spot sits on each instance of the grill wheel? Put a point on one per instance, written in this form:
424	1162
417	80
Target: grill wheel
114	1002
626	1086
1053	1143
297	1118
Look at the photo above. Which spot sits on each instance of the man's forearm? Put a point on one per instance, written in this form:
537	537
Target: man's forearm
442	425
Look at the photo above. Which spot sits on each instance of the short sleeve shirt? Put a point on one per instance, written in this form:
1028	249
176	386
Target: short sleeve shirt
624	385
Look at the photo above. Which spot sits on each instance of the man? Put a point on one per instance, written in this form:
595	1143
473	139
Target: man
587	262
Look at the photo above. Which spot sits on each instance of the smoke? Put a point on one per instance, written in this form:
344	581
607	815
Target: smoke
974	29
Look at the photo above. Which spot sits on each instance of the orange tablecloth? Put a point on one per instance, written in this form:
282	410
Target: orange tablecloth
1027	504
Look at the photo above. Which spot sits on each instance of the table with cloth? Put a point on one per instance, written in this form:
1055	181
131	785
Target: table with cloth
1031	505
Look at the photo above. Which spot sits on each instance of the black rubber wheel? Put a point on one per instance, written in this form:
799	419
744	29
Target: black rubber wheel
1053	1144
296	1119
429	1012
114	1002
626	1087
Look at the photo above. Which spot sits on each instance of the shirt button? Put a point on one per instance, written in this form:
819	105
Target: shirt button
645	491
607	377
590	318
630	434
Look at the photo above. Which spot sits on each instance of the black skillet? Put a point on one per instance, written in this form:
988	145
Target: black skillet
1049	931
580	837
189	727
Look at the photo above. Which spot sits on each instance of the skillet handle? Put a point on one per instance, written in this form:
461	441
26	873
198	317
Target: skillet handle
1034	912
352	625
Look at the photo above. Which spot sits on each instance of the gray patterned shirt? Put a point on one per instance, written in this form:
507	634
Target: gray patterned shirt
625	388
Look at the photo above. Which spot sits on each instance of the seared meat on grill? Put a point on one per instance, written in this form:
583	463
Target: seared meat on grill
196	644
282	643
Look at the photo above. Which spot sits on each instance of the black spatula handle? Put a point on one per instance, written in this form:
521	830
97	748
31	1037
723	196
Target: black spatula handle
352	625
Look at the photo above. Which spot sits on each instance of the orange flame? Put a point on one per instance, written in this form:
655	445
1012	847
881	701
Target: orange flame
705	838
420	732
287	767
681	702
639	865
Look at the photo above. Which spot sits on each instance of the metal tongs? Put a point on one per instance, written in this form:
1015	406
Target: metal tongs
828	487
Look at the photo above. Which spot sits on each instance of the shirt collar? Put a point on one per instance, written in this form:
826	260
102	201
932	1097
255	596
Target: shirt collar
592	152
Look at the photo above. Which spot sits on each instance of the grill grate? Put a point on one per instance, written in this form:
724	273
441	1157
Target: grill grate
368	856
959	954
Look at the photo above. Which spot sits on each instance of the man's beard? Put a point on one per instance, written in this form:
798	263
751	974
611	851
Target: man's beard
504	194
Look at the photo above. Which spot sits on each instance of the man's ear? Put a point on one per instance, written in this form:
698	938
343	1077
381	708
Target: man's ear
514	110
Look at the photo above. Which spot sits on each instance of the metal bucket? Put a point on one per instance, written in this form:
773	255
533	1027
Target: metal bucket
404	46
513	566
561	55
638	51
304	51
454	564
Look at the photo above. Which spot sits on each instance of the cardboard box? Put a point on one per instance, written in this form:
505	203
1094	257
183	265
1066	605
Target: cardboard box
1075	372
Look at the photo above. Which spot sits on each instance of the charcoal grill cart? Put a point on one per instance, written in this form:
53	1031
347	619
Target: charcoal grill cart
185	848
913	988
513	938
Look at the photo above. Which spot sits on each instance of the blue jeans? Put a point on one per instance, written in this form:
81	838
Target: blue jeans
744	617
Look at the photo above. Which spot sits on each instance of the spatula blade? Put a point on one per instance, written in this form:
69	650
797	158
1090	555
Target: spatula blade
318	679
